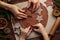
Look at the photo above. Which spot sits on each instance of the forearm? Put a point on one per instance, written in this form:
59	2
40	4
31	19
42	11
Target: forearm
5	5
21	38
44	33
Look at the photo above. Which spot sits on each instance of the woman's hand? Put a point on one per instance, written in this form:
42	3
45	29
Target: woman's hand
14	9
25	32
36	3
17	12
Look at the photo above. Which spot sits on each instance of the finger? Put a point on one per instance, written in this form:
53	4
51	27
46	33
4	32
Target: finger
39	24
28	28
36	30
19	17
29	3
37	5
16	16
18	13
21	10
35	25
29	32
34	5
22	16
22	29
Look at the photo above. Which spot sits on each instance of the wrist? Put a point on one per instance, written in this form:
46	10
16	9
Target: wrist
8	6
22	37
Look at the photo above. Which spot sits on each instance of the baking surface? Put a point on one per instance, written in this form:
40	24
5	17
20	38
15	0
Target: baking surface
50	17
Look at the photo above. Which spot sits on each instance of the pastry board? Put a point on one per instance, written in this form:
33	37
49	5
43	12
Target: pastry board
49	19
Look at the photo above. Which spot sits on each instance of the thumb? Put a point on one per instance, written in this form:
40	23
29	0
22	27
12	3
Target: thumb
35	25
38	25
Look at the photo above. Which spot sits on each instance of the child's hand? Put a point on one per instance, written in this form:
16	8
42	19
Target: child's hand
17	12
36	3
25	32
38	27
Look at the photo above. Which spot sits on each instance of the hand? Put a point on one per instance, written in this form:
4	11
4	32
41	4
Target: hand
36	4
25	32
18	13
38	27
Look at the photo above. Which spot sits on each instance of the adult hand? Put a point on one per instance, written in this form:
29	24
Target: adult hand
17	12
36	3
